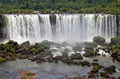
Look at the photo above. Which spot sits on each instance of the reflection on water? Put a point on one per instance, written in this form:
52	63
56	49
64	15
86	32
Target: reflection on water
10	70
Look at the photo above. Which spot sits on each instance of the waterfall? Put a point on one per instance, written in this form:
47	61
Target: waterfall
59	27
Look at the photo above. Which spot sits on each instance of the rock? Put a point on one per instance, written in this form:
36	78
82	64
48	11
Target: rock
91	75
85	63
89	50
28	75
77	47
76	56
86	54
119	77
104	74
6	71
26	44
40	61
58	58
95	69
110	69
2	59
50	59
96	60
94	63
112	78
11	42
2	54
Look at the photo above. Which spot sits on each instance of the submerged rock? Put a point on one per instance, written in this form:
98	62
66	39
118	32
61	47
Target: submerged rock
28	75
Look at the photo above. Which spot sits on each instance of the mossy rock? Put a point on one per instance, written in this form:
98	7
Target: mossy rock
115	41
2	59
76	56
95	68
99	40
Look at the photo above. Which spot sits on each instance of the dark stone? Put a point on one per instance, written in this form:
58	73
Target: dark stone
96	60
110	69
26	44
76	56
119	77
104	74
91	75
95	68
85	63
40	61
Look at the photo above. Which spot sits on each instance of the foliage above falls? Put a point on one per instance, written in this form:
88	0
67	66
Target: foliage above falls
60	6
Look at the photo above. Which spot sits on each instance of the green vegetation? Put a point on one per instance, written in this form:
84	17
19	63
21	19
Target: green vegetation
95	68
76	56
115	42
89	49
60	6
99	40
2	59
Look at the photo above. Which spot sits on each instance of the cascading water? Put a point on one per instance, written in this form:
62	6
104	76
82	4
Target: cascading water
60	27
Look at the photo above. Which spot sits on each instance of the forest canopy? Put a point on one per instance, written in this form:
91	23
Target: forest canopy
60	6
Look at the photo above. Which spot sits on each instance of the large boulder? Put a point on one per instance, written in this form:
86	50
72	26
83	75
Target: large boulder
26	44
89	50
99	40
76	56
110	69
85	63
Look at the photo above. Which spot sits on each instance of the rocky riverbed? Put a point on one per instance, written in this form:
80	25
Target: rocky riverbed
97	60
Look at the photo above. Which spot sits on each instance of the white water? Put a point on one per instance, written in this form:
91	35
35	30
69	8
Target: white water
68	27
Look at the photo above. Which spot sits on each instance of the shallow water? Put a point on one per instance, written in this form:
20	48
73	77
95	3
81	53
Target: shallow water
10	69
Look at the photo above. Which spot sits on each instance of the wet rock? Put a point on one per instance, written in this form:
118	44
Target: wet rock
104	74
2	54
28	75
40	61
110	69
11	42
96	60
58	58
50	59
89	50
6	71
94	63
119	77
91	75
2	59
26	44
85	63
76	56
95	68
